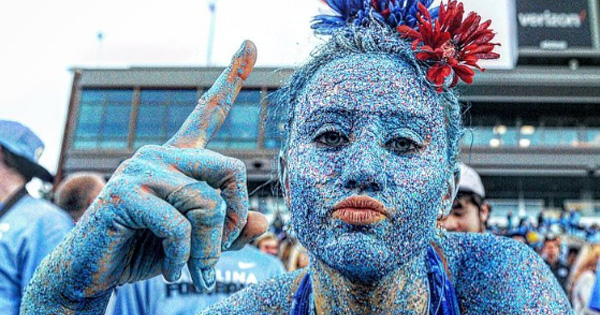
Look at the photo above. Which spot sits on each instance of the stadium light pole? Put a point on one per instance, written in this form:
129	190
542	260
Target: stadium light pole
212	7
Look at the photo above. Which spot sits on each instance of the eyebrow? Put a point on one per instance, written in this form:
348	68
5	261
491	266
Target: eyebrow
341	112
338	112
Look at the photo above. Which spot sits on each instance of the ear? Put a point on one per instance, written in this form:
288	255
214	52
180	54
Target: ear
484	214
448	199
2	162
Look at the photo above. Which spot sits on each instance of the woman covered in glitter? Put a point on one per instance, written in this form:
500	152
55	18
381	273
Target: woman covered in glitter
368	165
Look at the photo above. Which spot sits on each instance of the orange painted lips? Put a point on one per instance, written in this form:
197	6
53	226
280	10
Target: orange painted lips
359	210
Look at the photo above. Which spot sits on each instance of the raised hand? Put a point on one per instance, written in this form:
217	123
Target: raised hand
167	206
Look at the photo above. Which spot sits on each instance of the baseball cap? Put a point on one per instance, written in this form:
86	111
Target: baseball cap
470	182
26	147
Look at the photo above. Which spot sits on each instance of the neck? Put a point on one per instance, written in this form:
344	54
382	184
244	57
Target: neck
553	261
10	183
403	291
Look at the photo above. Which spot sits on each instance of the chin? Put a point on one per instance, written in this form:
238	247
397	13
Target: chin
358	256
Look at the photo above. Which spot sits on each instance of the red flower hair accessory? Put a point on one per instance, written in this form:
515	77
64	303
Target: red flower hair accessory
450	45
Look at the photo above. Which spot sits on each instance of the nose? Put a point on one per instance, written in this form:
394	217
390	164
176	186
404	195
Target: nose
364	167
451	224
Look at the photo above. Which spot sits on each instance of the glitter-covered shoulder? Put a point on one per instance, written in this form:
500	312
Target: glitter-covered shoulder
492	273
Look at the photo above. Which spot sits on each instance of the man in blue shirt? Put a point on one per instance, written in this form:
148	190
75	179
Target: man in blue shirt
234	271
29	228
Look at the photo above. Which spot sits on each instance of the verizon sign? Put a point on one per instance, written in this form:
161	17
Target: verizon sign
559	24
552	20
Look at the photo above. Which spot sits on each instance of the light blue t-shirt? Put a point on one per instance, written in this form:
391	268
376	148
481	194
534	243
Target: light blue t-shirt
234	271
30	230
594	303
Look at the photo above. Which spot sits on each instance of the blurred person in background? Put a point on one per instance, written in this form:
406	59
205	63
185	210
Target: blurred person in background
298	258
286	247
594	303
564	221
77	192
572	253
543	224
29	228
234	271
540	220
550	252
268	244
591	232
524	226
584	276
518	237
470	211
509	220
573	221
535	240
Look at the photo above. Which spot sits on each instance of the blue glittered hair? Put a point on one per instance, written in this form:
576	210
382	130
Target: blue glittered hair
364	12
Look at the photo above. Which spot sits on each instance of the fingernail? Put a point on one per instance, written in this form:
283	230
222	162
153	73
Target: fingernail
197	279
230	240
227	244
178	274
173	271
209	277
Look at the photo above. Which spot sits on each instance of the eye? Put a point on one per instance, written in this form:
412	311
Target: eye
402	145
457	212
332	139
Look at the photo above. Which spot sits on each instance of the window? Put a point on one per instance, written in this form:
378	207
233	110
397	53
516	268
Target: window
273	134
103	120
491	136
274	130
161	113
510	137
240	128
479	137
530	136
593	137
525	136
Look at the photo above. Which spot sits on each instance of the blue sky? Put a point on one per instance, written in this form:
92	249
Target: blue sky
41	40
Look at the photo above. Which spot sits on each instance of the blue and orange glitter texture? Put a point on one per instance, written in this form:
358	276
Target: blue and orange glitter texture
363	122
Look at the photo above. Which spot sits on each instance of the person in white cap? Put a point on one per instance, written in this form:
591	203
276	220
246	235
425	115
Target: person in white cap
29	228
470	211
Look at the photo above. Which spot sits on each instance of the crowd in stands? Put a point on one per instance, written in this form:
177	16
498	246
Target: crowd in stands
570	248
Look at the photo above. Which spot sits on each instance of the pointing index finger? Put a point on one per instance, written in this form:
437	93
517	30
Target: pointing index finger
213	107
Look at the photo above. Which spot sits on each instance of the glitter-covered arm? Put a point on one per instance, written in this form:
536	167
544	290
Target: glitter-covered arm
493	273
167	206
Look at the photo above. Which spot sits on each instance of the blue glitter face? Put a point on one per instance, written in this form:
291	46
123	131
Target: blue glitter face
365	125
